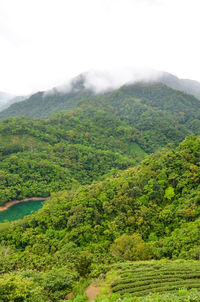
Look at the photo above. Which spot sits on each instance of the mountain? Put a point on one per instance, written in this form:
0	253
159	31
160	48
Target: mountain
153	199
109	201
101	135
66	97
7	100
39	156
43	104
151	211
184	85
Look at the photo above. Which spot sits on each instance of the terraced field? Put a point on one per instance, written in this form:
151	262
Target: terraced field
141	279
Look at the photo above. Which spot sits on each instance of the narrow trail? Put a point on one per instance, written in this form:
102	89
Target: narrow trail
91	292
11	203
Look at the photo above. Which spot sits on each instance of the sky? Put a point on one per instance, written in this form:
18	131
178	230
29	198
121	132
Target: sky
44	43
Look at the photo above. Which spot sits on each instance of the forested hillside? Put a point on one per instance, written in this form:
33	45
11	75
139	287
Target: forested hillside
151	211
68	96
43	156
102	135
156	95
153	200
105	205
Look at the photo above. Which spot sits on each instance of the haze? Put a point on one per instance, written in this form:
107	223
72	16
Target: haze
45	43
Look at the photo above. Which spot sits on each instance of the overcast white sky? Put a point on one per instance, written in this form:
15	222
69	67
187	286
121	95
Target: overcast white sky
45	42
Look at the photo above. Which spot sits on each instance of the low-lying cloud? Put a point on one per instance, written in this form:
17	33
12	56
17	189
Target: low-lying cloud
100	81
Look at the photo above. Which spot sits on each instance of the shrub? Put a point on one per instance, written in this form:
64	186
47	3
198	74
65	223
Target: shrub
15	288
130	247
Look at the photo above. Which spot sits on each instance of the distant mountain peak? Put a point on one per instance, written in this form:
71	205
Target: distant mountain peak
100	81
90	83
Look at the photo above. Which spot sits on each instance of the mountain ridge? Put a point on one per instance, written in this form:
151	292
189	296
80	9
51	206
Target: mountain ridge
66	97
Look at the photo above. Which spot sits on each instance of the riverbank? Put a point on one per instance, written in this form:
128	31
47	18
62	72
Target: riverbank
12	202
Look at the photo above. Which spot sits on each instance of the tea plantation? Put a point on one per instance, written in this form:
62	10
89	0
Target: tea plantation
153	281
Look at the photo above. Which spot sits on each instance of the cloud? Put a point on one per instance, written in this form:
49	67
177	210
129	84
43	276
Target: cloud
44	43
105	80
65	88
100	81
150	2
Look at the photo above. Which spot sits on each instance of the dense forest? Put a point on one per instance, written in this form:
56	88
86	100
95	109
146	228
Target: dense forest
43	156
151	211
123	185
101	135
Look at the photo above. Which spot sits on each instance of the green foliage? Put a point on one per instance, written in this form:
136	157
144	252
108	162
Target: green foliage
16	288
130	247
134	201
157	113
169	193
149	211
100	136
34	286
83	264
39	157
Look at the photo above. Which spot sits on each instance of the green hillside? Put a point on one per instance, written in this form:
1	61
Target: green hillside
160	113
72	148
151	211
43	104
158	200
110	202
103	134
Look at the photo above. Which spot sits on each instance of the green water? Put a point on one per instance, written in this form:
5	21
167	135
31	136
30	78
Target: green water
20	210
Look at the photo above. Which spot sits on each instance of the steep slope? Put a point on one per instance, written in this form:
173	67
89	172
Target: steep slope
184	85
161	113
7	99
72	148
151	211
43	104
12	100
157	201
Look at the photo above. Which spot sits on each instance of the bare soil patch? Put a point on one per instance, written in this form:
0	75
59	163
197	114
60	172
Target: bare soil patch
92	291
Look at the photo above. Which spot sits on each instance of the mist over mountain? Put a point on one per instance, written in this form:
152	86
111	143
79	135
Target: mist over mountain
185	85
103	81
7	99
90	84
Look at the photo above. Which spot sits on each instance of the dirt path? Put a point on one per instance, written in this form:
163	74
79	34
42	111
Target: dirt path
11	203
91	292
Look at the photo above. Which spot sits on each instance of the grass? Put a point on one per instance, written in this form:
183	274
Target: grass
106	286
78	294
